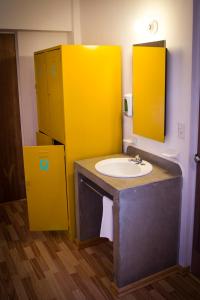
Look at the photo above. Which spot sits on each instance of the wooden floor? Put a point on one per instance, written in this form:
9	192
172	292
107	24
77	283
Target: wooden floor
47	266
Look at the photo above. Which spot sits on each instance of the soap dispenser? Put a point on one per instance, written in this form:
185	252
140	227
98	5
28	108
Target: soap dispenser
127	105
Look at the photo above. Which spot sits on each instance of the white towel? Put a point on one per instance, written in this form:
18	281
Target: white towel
107	219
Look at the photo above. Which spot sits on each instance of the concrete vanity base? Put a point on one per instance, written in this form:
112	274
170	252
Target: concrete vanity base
146	214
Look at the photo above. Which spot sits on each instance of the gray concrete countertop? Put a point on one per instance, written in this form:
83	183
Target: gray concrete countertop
159	173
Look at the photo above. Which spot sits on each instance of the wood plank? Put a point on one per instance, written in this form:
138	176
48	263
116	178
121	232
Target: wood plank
19	288
48	266
29	288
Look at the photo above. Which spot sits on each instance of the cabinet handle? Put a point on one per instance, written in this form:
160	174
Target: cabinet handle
93	189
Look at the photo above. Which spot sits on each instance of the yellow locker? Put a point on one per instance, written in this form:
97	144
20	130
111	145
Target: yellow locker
55	93
46	187
42	93
149	91
84	89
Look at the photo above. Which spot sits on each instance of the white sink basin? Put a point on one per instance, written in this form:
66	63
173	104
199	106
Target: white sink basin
123	167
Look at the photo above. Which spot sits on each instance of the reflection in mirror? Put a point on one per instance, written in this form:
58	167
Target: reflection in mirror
149	70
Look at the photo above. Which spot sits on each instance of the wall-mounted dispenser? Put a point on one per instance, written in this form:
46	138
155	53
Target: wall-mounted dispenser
127	105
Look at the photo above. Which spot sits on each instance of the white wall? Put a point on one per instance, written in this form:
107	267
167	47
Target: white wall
124	23
28	43
76	30
36	15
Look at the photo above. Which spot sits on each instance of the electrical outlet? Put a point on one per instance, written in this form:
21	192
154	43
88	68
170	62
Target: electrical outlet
181	131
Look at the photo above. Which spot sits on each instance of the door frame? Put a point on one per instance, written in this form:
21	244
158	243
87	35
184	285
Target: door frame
194	117
14	32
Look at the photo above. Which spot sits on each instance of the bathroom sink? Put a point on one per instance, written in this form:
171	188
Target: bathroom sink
123	167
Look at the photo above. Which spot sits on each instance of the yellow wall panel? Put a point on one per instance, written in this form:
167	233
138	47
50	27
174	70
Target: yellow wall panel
149	92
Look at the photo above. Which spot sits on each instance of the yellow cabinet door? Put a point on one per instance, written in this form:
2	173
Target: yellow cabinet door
55	94
46	187
42	93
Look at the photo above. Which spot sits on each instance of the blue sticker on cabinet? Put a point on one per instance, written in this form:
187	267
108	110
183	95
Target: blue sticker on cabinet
44	164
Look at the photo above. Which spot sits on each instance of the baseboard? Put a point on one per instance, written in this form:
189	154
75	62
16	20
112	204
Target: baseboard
197	279
184	270
129	288
89	242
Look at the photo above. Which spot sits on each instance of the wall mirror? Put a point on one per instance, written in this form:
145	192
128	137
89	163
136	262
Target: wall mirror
149	77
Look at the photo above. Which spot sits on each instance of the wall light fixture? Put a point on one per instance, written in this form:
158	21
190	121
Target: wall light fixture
153	26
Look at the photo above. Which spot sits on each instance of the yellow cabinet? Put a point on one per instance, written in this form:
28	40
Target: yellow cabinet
48	75
46	187
84	105
55	94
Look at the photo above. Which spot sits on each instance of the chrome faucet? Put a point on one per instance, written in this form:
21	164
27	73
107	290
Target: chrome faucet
137	160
